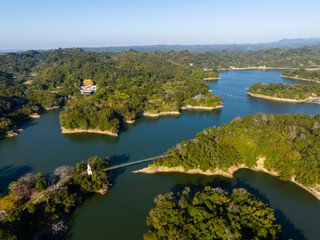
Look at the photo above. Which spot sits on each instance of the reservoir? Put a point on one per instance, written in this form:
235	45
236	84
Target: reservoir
121	213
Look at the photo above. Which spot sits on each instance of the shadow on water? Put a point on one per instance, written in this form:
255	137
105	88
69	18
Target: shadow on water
202	112
242	183
198	184
147	119
29	123
68	235
85	137
289	231
115	160
119	159
10	173
114	174
24	126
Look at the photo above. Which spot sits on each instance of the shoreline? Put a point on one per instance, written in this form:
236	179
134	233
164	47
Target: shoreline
144	114
150	114
261	68
265	68
30	117
151	169
129	121
34	116
201	107
51	108
159	114
209	79
78	130
11	134
16	133
301	79
276	99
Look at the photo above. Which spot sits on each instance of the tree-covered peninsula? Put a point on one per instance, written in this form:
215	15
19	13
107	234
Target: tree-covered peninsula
286	92
38	206
136	84
285	145
302	74
211	214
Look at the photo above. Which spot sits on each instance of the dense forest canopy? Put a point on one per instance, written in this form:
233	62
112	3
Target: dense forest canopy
129	82
290	144
305	57
280	90
140	83
22	64
211	214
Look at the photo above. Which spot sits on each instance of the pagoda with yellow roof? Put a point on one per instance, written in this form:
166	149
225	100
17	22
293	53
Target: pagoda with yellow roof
88	82
88	87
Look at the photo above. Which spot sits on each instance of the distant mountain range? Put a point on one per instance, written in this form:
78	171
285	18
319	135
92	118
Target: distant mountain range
284	43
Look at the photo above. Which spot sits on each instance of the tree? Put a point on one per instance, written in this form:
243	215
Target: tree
41	184
64	170
211	214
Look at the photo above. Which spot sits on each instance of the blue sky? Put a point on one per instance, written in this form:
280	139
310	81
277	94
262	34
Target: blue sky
35	24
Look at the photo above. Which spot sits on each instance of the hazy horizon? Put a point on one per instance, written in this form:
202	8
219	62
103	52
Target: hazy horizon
150	45
37	24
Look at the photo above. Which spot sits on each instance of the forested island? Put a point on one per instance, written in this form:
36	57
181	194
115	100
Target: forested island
211	214
39	207
286	92
302	74
284	145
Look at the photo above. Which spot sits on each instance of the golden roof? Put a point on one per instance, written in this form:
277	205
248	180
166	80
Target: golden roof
87	82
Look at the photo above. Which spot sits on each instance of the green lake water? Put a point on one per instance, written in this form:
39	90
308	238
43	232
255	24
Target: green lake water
121	213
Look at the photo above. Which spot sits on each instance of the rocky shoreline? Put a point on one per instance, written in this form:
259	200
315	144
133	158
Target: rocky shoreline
11	134
129	121
144	114
260	68
301	79
201	107
35	116
209	79
150	114
32	116
16	133
275	98
263	68
151	169
78	130
51	108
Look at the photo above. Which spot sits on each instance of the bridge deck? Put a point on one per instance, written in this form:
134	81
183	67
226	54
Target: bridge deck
135	162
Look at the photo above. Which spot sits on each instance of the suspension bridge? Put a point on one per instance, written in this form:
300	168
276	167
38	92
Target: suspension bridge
134	162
